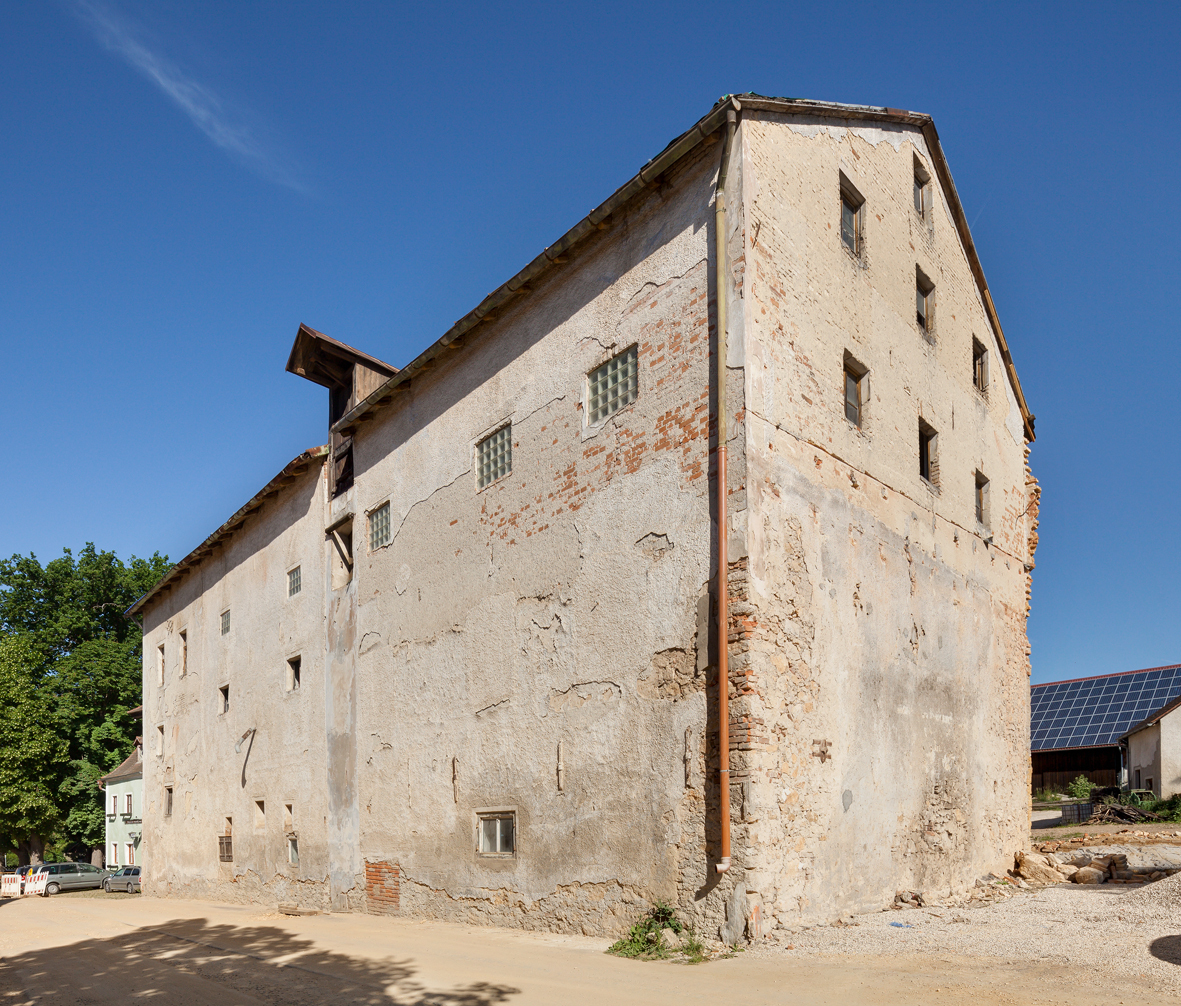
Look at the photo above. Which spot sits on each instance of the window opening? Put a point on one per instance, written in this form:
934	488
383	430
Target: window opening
294	581
342	463
497	834
856	390
925	301
494	456
922	189
260	815
979	366
928	463
852	216
341	560
224	692
184	653
127	806
1148	783
379	527
160	664
130	854
225	622
293	667
288	817
225	843
168	801
613	385
114	854
114	805
981	499
293	850
160	741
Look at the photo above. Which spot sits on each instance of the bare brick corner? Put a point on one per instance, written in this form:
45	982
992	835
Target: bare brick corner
382	887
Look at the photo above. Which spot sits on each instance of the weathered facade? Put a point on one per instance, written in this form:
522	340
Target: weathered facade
1153	752
529	651
123	802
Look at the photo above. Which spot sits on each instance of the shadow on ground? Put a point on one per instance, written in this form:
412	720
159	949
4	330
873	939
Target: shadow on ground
191	962
1167	949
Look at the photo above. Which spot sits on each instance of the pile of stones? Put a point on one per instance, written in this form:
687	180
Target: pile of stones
1082	868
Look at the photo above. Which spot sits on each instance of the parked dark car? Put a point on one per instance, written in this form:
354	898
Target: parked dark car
126	879
72	876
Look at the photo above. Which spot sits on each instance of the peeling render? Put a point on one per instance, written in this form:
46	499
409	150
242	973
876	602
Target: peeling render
544	646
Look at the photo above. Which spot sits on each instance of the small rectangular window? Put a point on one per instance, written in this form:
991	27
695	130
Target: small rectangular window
852	216
260	815
1137	786
168	801
494	457
981	500
160	664
160	741
294	581
114	855
225	622
341	558
130	854
127	805
288	818
379	527
925	299
856	390
225	848
979	366
293	850
613	385
114	805
224	693
184	654
497	834
1148	783
922	189
293	668
928	462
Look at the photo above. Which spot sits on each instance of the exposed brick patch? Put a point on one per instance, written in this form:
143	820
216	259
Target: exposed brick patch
382	887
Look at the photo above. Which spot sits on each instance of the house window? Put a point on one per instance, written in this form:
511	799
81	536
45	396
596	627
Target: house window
114	854
160	664
114	805
288	818
925	298
494	457
497	835
224	693
293	666
379	527
852	216
260	815
160	741
293	850
922	189
928	459
184	654
127	811
1137	786
168	801
225	843
981	499
294	581
130	854
856	390
225	622
979	367
613	385
341	560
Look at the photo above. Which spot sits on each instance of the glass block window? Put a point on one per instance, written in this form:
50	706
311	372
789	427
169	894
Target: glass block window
497	835
494	456
379	527
613	385
294	581
225	622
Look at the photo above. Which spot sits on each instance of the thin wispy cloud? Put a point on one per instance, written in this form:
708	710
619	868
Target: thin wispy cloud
201	104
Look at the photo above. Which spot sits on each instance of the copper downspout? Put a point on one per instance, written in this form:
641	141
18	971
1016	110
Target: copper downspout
723	558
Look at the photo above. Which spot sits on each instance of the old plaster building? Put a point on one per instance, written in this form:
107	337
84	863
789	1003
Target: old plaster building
462	661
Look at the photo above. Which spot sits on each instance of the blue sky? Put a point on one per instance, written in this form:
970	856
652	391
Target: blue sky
184	183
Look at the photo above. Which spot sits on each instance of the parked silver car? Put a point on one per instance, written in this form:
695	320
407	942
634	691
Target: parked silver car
71	876
126	879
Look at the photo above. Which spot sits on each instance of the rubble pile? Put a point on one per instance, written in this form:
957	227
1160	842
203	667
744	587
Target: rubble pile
1053	867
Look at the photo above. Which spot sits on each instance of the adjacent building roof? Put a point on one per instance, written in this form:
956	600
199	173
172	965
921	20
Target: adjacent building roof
600	219
290	473
1099	711
132	767
1154	718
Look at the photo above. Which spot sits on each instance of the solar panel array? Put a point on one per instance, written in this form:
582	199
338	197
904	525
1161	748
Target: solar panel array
1092	711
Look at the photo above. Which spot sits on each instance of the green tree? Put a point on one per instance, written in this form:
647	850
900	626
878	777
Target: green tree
82	656
33	749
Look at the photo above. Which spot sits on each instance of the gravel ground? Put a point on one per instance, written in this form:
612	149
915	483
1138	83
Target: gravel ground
1133	931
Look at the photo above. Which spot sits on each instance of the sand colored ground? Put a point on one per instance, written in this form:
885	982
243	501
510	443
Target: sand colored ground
72	949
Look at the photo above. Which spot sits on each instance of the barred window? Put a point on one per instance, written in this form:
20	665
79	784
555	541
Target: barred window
613	385
379	527
294	581
225	622
494	456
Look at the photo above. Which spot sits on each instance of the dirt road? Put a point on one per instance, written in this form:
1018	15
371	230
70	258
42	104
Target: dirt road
69	949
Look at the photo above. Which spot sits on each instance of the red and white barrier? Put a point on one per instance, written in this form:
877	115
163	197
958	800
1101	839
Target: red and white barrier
35	884
10	886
